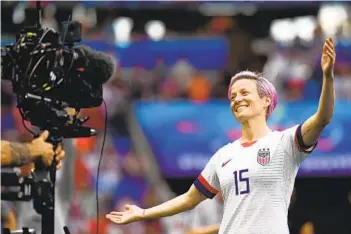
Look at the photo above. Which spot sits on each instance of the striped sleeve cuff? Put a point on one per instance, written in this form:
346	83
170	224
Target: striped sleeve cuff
300	144
204	187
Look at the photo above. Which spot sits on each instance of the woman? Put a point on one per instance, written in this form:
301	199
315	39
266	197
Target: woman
255	173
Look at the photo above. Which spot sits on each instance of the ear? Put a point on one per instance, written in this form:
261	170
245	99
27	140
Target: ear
267	101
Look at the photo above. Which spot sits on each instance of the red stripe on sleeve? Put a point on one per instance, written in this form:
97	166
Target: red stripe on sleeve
207	185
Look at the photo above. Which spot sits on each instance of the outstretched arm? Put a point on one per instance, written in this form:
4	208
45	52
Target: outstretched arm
177	205
206	186
313	127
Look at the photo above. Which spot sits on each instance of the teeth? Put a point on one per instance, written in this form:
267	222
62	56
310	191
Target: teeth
240	108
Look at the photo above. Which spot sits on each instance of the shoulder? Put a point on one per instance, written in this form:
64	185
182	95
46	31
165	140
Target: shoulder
226	149
221	154
286	133
288	137
291	130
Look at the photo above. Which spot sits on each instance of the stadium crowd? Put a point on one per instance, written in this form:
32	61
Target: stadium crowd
294	69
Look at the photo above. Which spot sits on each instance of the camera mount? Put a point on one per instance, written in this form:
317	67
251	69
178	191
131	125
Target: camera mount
39	187
50	76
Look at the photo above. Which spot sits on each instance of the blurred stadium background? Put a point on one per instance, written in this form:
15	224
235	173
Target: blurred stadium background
167	106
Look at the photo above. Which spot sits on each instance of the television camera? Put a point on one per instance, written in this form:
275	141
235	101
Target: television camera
50	75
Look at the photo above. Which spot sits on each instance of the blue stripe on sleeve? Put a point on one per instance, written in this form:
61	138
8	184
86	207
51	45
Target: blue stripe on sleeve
203	190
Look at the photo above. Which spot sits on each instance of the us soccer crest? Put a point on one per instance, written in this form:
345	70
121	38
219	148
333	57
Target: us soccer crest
263	156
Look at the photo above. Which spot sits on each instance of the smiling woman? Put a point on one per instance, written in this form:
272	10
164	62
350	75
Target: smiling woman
256	173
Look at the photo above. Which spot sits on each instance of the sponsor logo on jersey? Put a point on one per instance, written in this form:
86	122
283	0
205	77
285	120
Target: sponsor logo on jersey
263	156
226	162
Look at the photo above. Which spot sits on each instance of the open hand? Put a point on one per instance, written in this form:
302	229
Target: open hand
328	57
130	214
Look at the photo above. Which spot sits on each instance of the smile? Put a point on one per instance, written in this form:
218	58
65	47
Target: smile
239	108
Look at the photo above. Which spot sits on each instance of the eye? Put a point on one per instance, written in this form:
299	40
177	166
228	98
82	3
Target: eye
244	93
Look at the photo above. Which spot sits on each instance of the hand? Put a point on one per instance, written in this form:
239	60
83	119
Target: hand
40	148
328	58
60	154
132	213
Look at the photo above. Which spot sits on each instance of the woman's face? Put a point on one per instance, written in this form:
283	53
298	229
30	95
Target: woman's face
245	101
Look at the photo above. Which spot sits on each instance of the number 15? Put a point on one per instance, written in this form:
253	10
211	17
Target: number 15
241	179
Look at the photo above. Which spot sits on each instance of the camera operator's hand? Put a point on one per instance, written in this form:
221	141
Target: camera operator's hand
19	154
39	147
60	154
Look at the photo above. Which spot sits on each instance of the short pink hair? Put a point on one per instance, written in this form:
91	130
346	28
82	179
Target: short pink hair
264	88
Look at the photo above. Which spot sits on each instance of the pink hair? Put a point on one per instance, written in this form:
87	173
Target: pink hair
264	88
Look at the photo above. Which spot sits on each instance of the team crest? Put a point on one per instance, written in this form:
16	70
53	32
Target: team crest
263	156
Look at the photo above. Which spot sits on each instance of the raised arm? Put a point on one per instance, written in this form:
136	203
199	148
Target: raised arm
182	203
312	127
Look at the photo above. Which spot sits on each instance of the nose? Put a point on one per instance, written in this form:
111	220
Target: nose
238	99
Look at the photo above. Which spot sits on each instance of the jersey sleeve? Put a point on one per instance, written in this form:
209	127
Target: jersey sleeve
207	182
295	145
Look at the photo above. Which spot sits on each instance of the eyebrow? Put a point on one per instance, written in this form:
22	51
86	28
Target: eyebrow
242	89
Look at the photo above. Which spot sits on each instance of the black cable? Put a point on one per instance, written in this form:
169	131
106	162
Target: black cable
98	171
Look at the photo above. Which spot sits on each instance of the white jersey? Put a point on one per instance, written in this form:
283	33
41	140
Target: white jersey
256	181
207	213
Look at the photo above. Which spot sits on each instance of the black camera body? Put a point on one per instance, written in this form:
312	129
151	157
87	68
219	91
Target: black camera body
73	30
49	75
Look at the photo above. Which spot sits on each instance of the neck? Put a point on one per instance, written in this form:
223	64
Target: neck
254	129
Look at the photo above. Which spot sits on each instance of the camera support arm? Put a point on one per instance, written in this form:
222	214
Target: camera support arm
44	199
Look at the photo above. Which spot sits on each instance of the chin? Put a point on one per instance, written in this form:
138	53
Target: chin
241	117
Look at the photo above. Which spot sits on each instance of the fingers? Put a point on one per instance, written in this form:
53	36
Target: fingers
48	154
116	213
116	217
60	154
115	220
59	158
58	149
329	45
330	41
44	135
330	55
329	49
